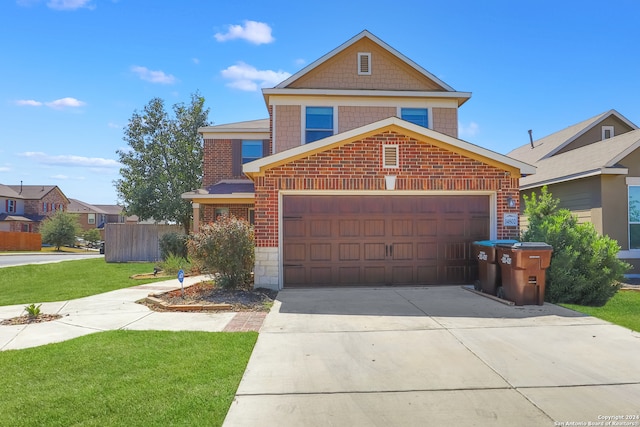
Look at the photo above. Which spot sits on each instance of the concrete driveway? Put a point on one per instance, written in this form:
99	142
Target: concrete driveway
434	356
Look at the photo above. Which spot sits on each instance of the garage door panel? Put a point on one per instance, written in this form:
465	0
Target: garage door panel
321	205
455	251
454	227
349	275
402	227
320	275
401	251
349	252
294	228
294	276
320	228
349	227
374	275
427	274
294	252
479	227
374	228
426	227
402	274
320	252
374	252
427	251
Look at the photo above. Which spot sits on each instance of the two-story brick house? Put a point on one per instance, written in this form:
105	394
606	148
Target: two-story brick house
40	202
358	176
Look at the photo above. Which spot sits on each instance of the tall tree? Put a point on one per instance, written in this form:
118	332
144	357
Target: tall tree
164	160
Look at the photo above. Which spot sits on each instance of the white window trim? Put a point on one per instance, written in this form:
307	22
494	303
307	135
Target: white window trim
631	253
384	156
605	129
303	118
360	56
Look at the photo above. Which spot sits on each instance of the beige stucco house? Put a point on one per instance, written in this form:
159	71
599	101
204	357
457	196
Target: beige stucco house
593	167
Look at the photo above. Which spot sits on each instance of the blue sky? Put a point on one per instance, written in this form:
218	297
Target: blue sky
73	71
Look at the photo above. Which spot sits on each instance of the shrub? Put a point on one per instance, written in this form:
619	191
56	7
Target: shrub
584	266
92	237
173	243
173	263
225	247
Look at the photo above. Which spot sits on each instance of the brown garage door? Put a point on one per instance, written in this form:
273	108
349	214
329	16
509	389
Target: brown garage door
381	240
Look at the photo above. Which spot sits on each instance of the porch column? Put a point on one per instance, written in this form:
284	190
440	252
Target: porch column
196	216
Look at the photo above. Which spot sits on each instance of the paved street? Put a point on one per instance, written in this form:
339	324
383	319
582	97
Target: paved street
8	260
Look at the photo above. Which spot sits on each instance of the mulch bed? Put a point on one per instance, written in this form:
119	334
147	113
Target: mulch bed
206	294
26	319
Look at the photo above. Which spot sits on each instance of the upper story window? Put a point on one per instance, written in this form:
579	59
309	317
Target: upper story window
11	206
418	116
91	218
319	123
251	150
607	132
364	63
44	207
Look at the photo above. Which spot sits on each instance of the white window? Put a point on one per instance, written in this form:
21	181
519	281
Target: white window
91	218
11	206
364	63
390	158
634	216
607	132
318	123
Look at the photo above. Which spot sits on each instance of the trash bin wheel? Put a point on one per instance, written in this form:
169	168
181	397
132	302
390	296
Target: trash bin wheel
477	286
500	292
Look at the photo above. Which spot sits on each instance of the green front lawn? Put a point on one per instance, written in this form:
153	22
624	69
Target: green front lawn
623	309
125	378
61	281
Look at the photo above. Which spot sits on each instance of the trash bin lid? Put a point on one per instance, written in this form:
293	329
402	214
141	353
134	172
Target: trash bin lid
527	246
493	243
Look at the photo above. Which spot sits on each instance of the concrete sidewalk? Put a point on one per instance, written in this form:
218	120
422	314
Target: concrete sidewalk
109	311
434	356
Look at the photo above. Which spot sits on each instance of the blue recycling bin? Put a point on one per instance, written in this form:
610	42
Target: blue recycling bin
489	273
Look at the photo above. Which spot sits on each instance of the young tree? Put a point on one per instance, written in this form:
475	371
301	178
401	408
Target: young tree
164	160
60	229
92	236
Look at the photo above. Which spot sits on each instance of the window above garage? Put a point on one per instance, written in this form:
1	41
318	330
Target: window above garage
418	116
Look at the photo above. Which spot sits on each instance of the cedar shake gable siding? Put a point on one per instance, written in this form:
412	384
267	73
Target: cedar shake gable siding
357	166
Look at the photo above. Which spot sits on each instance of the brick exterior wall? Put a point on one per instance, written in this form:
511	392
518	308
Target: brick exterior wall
387	72
217	161
445	120
35	206
358	166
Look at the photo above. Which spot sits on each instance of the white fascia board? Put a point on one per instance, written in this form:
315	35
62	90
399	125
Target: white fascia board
366	93
623	154
234	135
256	165
573	177
192	195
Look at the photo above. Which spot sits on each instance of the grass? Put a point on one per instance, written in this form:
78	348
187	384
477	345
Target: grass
623	309
125	378
67	280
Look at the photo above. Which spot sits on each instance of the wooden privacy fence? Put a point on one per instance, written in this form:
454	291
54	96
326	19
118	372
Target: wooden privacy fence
16	241
135	242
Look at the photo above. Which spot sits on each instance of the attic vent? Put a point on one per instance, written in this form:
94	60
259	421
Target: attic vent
607	132
364	63
390	156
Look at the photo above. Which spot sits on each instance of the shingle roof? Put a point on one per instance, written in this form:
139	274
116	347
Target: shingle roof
601	157
261	125
111	209
551	144
78	206
232	187
8	192
34	192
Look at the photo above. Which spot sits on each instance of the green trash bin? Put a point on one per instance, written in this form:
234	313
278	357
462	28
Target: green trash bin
489	277
523	267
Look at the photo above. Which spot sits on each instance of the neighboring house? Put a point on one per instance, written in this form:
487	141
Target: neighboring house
89	216
40	202
593	167
114	214
358	176
12	211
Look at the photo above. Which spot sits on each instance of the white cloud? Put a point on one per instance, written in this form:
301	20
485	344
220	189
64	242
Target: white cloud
114	125
58	104
248	78
195	60
61	103
70	4
59	177
299	62
153	76
5	169
252	31
470	130
70	160
28	102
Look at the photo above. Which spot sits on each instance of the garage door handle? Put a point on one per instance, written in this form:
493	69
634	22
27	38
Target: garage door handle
291	217
292	265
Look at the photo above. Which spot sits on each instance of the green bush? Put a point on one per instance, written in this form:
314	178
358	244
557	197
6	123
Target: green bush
60	229
173	243
173	263
584	266
225	248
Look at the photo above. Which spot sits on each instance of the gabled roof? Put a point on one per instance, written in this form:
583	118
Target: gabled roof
35	192
444	91
9	193
260	125
599	158
111	209
394	124
551	144
354	40
77	206
231	190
